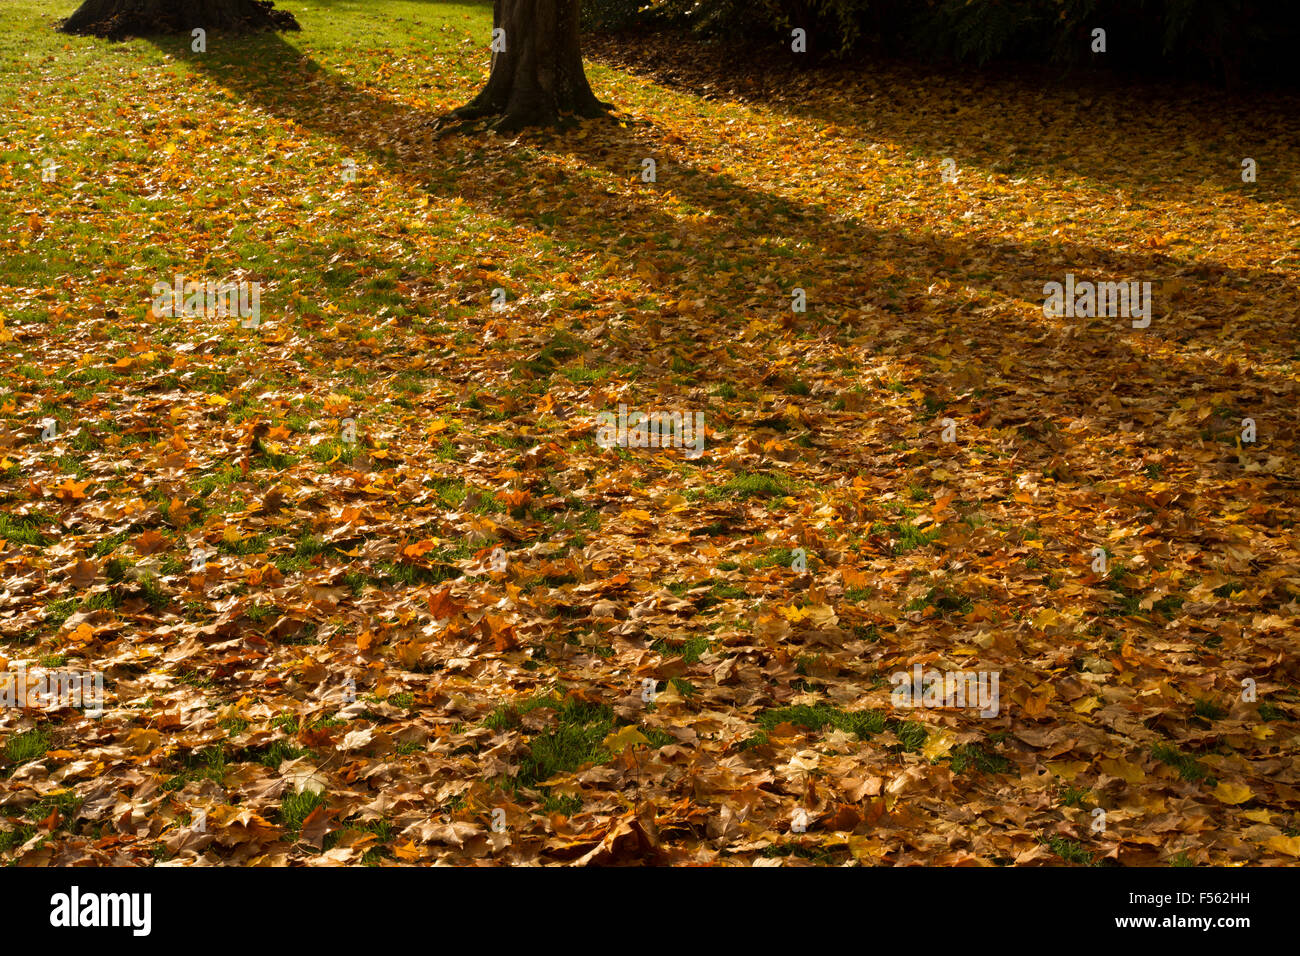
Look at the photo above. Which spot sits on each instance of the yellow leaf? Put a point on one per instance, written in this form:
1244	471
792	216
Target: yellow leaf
1128	772
1285	844
1046	618
1067	769
143	741
620	740
937	745
408	851
1233	793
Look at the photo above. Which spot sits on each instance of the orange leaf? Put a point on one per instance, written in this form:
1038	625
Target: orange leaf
70	490
441	604
151	542
420	548
83	574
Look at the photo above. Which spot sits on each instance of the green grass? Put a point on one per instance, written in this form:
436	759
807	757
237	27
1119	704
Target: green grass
943	600
29	745
560	348
1209	709
66	803
863	724
910	537
23	530
782	557
206	764
576	739
1071	851
273	754
752	485
1189	768
399	572
969	757
1073	797
254	544
689	649
12	839
297	806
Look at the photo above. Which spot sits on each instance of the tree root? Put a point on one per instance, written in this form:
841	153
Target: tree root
507	121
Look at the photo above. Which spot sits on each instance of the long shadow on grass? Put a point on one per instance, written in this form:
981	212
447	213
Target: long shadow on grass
740	231
1125	134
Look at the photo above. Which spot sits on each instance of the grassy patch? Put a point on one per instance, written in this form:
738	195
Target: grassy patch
27	746
1071	851
297	806
23	530
863	724
1189	768
968	757
752	485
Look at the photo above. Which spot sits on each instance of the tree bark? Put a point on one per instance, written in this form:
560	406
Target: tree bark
538	76
116	19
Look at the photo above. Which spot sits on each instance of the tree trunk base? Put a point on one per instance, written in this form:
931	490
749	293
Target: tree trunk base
118	19
512	119
537	77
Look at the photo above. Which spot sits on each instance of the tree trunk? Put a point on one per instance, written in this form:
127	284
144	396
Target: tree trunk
116	19
537	75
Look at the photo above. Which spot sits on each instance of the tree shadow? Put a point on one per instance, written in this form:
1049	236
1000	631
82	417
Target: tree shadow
1102	133
929	288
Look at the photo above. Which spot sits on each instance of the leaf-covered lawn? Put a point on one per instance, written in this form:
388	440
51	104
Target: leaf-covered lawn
323	650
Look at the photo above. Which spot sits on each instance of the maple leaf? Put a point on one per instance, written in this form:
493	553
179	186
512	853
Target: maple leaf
83	573
151	542
441	605
420	548
70	490
1233	793
500	632
626	737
